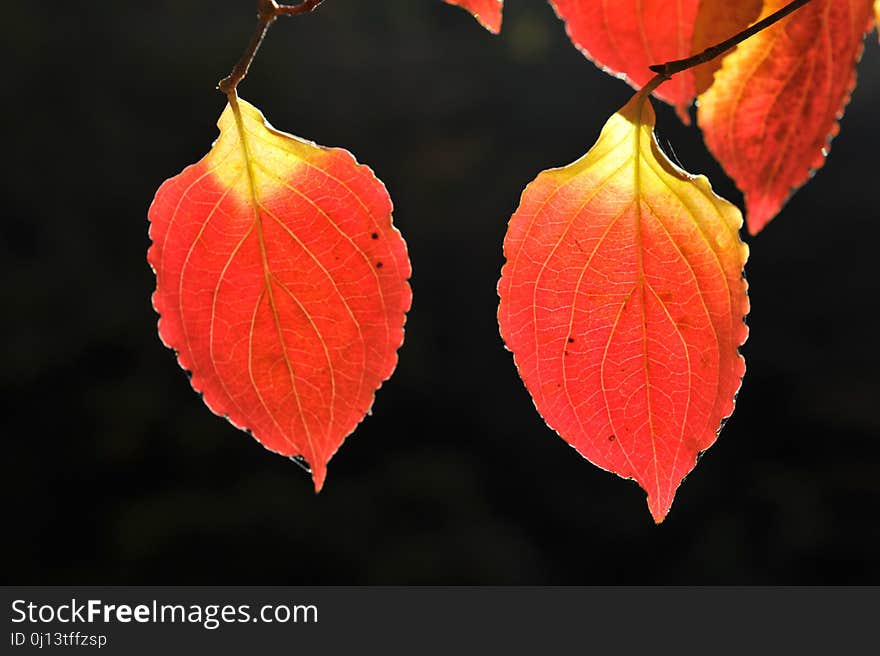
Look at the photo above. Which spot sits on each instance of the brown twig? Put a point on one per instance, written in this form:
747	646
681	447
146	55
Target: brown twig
267	12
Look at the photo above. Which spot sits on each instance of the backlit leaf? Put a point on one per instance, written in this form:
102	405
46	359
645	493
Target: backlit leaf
627	36
623	302
488	12
775	104
281	284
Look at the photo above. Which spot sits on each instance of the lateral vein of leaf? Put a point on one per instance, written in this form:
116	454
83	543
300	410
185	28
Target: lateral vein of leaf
642	33
323	346
691	215
574	302
610	33
184	196
733	316
774	35
683	48
184	266
782	152
320	336
345	304
596	190
678	331
253	379
607	405
698	225
215	296
513	265
687	355
540	209
369	213
771	103
180	307
336	180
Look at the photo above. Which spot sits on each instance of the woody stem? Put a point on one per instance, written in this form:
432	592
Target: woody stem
668	69
267	12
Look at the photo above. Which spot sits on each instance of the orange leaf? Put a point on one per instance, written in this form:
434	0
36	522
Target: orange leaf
488	12
281	284
627	37
623	301
774	107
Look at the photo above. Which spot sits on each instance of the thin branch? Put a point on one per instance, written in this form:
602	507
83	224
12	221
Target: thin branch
670	68
303	7
267	12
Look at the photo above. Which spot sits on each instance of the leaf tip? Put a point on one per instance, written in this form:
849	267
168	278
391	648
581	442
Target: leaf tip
487	12
319	475
658	508
758	215
683	111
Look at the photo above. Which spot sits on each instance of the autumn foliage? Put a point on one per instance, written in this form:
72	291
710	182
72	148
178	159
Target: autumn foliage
488	12
770	112
282	283
623	297
774	107
623	301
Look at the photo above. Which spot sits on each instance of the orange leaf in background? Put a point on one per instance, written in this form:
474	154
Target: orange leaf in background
281	284
775	104
623	301
488	12
628	36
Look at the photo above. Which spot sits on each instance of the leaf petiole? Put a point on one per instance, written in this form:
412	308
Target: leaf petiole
267	12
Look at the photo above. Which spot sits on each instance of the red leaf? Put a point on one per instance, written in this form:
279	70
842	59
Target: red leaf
281	284
488	12
623	301
627	36
774	107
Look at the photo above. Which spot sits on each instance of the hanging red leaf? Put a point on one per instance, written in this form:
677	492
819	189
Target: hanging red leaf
623	301
775	104
281	284
488	12
628	36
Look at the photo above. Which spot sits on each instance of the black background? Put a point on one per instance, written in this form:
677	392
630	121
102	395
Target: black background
116	472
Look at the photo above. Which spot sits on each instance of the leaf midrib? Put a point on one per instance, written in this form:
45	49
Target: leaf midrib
637	192
267	278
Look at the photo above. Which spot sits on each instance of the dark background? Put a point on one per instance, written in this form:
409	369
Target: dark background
116	472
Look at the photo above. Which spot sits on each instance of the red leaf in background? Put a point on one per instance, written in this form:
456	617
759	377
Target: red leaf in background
775	104
626	36
623	301
488	12
281	284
